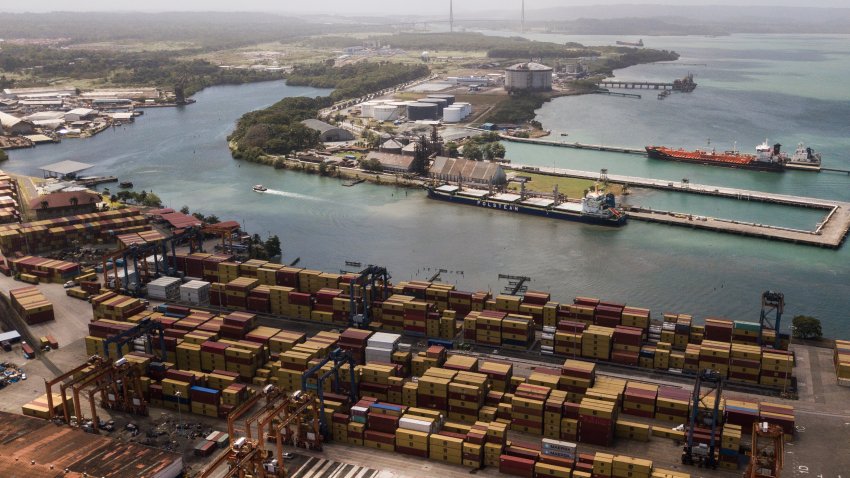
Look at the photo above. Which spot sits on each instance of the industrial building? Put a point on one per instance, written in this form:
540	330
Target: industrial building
65	203
467	171
528	77
37	448
14	125
393	163
328	133
80	114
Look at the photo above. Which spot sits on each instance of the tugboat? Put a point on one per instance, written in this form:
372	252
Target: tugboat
260	188
804	157
125	185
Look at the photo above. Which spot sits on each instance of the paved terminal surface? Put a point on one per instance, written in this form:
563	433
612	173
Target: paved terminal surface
820	449
72	315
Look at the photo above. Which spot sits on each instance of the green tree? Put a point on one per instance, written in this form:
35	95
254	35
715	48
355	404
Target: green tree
152	200
272	246
498	150
372	164
212	219
184	210
3	156
451	149
487	151
806	327
472	151
323	168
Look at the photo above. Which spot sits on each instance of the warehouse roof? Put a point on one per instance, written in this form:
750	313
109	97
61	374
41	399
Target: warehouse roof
484	171
7	120
65	168
34	447
180	220
317	125
81	111
392	161
64	199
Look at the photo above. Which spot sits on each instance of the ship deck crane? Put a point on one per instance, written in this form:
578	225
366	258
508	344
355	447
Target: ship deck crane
767	451
338	357
706	415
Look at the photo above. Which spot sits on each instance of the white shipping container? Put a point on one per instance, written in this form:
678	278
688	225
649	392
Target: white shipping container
418	425
384	339
195	292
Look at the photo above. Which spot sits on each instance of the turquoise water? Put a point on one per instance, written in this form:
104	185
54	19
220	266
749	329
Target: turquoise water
181	154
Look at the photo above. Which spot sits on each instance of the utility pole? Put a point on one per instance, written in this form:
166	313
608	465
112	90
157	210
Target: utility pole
451	16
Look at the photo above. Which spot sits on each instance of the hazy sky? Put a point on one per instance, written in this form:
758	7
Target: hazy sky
355	7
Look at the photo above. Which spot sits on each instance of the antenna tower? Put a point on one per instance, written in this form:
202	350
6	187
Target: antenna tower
523	16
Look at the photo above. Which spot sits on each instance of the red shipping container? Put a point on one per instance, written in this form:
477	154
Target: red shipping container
515	466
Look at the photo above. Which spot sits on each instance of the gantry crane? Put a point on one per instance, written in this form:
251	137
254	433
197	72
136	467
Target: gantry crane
772	307
247	455
705	415
371	276
339	357
768	451
119	384
145	327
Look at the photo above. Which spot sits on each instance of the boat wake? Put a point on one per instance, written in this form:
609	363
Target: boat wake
292	195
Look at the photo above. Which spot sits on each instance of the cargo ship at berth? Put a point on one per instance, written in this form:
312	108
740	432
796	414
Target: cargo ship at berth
767	158
595	208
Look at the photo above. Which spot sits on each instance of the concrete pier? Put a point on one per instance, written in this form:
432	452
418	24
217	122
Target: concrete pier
574	145
830	233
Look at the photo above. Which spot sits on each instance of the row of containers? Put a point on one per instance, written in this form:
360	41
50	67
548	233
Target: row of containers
431	107
9	206
587	328
31	305
64	232
47	270
209	357
841	358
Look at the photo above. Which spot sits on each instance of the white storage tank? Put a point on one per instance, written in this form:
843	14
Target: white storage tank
466	108
385	113
452	114
367	109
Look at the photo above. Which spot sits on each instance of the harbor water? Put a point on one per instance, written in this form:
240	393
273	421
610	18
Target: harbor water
181	154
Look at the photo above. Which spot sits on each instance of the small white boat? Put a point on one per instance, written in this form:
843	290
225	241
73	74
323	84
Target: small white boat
260	188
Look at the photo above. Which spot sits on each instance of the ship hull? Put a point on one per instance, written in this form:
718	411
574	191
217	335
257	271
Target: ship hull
753	165
526	209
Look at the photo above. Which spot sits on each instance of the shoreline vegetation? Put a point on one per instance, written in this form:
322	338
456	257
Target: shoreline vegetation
277	130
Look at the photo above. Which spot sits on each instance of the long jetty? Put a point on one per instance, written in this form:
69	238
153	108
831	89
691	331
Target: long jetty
829	233
573	145
683	86
628	150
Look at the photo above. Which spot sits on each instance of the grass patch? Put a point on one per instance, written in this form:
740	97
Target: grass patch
571	187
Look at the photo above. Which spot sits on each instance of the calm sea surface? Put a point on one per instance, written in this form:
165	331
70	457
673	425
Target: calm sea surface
786	88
